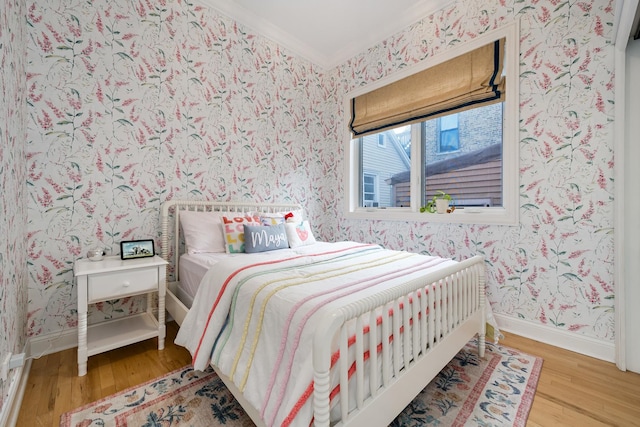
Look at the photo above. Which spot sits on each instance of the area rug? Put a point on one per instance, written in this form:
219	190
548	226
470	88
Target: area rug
495	391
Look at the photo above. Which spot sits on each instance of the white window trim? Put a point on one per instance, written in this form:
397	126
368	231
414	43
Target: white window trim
508	214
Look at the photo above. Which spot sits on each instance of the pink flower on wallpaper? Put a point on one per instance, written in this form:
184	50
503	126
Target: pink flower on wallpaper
543	248
99	232
45	276
56	187
55	34
543	316
544	16
598	28
58	112
32	16
99	94
593	296
45	200
582	270
99	24
599	102
74	249
55	262
45	121
602	181
606	286
589	212
45	43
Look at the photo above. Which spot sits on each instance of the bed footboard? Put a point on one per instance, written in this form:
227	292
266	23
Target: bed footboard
442	311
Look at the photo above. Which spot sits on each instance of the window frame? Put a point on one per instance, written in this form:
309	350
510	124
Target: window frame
508	214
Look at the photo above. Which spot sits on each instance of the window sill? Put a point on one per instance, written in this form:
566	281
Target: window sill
493	216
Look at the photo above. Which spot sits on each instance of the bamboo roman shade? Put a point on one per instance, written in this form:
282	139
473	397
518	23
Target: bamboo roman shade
458	84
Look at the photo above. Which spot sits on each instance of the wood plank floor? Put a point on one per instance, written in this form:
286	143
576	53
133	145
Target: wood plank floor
573	390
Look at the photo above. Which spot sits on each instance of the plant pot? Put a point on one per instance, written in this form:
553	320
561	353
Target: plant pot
442	205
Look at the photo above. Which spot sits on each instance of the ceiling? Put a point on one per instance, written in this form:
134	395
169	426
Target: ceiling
327	32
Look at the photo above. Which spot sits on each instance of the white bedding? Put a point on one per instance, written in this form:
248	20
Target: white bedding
193	267
254	315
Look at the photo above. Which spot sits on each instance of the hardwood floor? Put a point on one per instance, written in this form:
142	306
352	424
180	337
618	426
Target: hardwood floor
573	390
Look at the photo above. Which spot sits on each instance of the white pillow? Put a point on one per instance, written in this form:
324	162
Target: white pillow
202	231
275	218
299	234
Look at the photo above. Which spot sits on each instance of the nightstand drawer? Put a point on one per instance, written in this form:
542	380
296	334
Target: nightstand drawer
102	287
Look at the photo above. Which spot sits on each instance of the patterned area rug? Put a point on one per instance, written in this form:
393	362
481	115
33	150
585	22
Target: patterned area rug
495	391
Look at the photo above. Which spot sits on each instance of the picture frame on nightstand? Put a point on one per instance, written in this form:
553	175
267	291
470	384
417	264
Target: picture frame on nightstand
134	249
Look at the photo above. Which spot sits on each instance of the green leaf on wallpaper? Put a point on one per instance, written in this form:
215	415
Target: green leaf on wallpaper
124	188
561	75
124	122
63	47
571	276
124	56
64	122
195	80
66	196
529	206
65	271
195	136
59	209
196	192
565	218
196	24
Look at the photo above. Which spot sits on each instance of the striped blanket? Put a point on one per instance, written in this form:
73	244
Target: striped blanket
254	316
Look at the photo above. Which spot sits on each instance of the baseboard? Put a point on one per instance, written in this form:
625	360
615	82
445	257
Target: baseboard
53	342
567	340
11	407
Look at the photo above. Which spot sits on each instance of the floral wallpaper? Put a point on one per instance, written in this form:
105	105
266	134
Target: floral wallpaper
131	104
135	103
556	268
13	259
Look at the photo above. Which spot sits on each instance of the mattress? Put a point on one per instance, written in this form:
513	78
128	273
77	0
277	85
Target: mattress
193	267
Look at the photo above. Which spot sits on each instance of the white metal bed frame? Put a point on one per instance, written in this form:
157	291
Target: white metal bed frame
456	296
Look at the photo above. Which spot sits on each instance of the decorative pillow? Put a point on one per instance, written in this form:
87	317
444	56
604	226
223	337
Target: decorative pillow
234	231
268	218
299	234
271	220
261	238
202	231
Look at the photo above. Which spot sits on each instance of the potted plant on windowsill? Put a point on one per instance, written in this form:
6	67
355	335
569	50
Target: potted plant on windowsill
439	203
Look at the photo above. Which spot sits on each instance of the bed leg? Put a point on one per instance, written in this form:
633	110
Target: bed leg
481	345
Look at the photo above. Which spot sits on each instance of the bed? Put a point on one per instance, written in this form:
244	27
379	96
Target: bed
291	331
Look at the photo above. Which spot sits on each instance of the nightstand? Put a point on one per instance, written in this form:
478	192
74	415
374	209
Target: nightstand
113	278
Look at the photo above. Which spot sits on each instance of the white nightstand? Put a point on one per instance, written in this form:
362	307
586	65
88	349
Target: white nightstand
113	278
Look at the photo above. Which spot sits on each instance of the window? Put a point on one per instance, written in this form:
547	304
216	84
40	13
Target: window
449	137
470	153
381	140
369	195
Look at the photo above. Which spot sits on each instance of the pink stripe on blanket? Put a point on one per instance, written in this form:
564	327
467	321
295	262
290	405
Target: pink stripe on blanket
260	264
379	279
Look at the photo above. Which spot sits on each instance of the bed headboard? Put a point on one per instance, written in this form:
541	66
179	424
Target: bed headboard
172	243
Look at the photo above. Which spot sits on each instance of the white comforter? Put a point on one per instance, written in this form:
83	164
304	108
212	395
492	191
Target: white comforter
254	316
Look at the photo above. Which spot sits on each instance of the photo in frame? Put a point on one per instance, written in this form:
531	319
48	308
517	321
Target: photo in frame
133	249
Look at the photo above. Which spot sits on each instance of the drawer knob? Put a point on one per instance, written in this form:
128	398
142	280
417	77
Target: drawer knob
126	284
